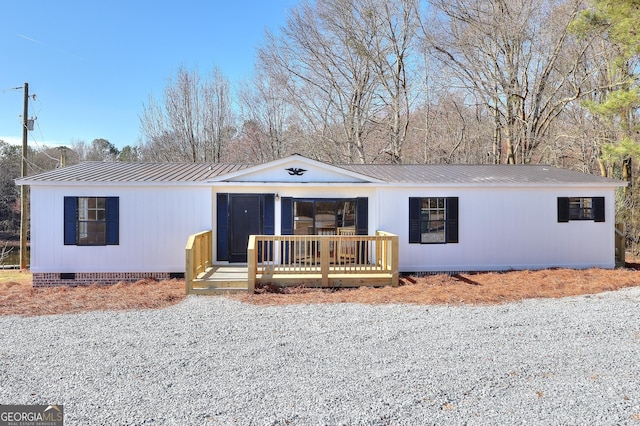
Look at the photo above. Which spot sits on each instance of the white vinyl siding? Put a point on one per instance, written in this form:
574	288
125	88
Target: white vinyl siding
502	228
154	222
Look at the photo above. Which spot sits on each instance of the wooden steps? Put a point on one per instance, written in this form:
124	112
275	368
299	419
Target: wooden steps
221	280
213	290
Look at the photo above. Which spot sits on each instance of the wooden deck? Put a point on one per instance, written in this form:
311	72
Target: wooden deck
342	260
233	279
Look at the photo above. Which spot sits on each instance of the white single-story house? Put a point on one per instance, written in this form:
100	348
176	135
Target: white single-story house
106	222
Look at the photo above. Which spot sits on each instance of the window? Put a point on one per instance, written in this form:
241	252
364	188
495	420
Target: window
581	208
91	221
323	216
433	220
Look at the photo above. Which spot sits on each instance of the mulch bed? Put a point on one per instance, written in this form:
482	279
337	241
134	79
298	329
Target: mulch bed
17	297
480	288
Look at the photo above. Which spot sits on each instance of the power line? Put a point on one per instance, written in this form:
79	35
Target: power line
40	146
11	89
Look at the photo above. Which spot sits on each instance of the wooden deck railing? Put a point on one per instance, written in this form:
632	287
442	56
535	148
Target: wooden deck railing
199	257
323	258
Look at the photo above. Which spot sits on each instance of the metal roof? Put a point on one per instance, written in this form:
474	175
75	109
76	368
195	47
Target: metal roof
477	174
434	174
94	171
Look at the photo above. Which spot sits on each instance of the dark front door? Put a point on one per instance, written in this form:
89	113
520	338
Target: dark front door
245	220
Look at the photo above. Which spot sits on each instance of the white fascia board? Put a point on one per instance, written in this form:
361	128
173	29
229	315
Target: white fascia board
614	185
505	185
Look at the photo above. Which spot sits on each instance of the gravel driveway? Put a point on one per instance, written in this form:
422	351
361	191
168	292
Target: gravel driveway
211	360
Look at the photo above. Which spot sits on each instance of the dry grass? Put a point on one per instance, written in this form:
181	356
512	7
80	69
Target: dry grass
481	288
17	297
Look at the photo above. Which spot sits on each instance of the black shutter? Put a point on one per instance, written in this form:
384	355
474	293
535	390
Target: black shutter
286	225
563	209
70	220
268	222
222	228
112	215
598	209
268	214
414	219
286	216
362	216
452	219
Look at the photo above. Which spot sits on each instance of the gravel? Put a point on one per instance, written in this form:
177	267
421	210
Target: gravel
212	360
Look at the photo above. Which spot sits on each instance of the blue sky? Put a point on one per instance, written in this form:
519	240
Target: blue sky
92	64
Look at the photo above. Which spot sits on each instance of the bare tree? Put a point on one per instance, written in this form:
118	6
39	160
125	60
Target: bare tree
5	252
49	158
328	77
513	54
456	132
266	114
583	132
193	124
348	66
217	114
393	25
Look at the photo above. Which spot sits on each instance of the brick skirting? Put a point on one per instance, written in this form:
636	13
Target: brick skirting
88	278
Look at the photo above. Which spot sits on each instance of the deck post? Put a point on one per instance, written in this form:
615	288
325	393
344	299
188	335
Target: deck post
209	246
394	247
251	264
391	257
188	270
324	259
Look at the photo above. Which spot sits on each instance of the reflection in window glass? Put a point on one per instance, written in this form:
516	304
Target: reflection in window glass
302	218
432	220
580	208
323	217
92	225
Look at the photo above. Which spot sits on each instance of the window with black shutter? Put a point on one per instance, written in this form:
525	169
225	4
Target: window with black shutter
433	220
91	221
581	208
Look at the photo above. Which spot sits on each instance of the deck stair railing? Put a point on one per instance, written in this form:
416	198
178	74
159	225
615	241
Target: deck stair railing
199	257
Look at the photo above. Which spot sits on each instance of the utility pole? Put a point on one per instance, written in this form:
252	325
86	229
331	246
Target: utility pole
24	205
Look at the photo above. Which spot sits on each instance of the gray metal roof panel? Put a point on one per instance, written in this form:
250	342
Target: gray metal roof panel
94	171
476	174
434	174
